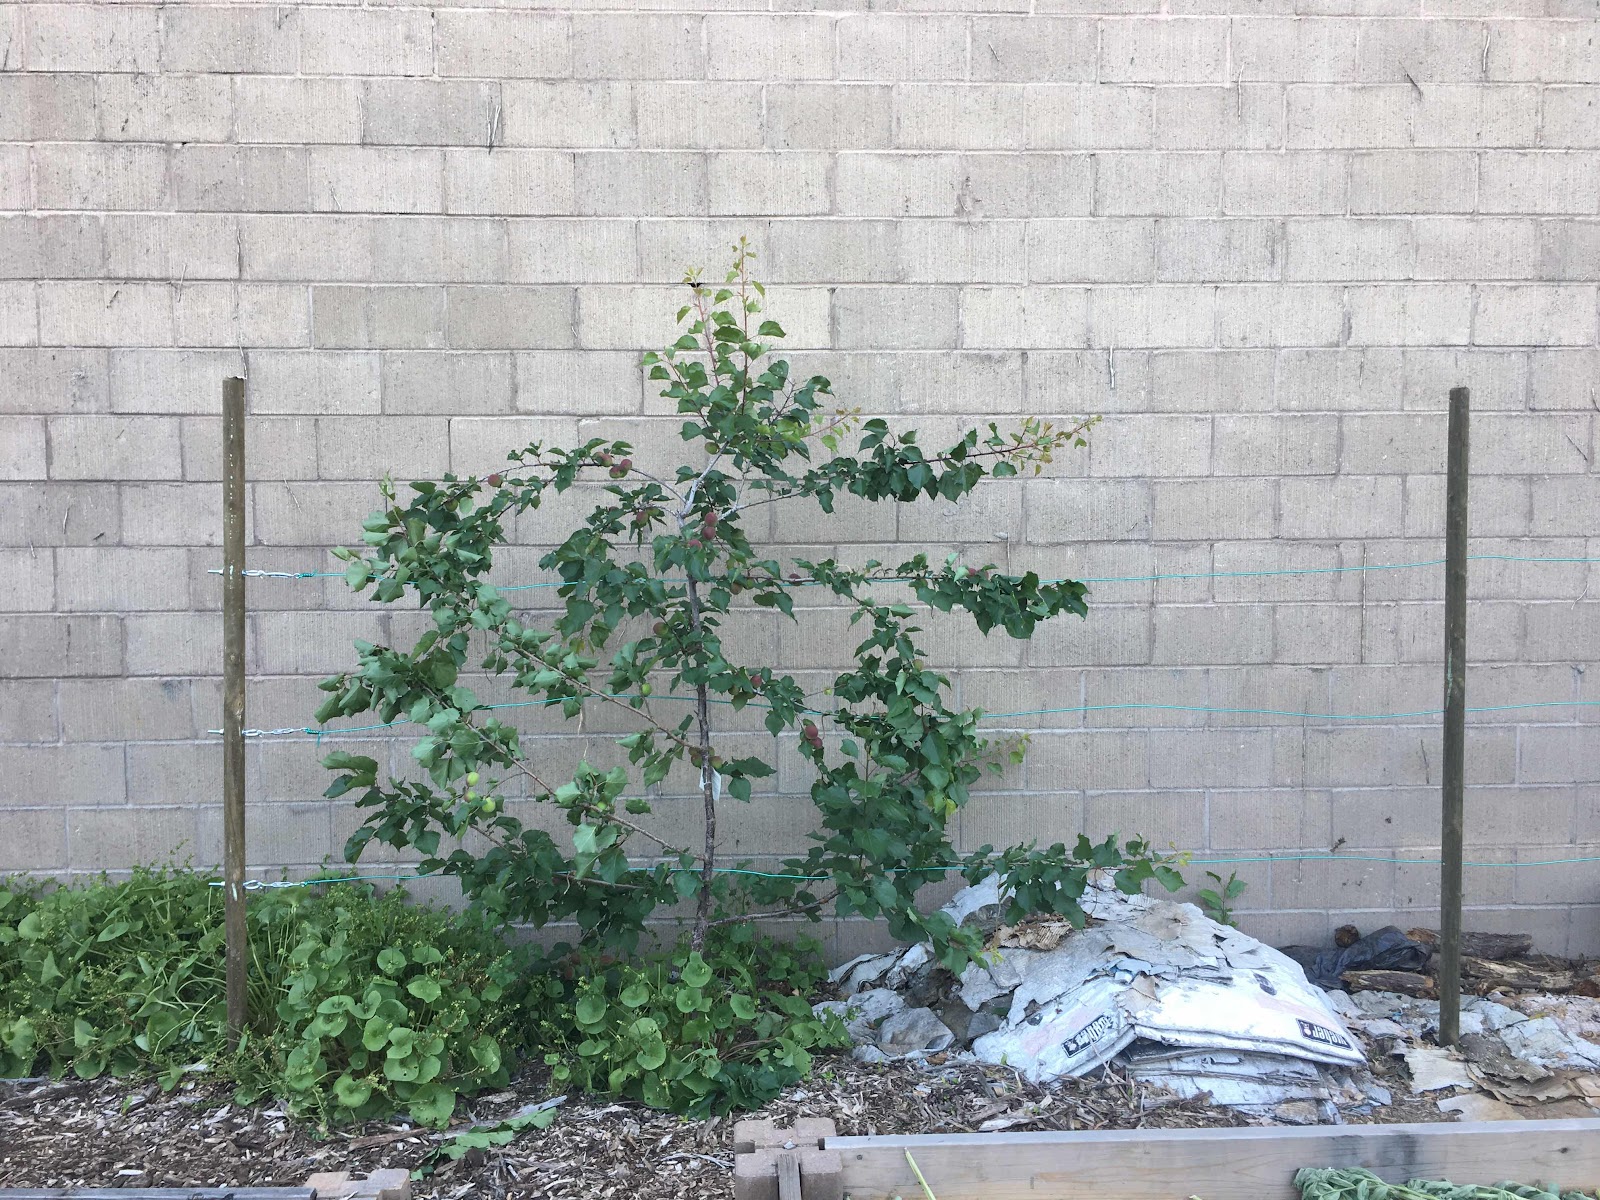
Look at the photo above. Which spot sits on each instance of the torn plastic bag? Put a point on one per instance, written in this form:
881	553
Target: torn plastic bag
1386	949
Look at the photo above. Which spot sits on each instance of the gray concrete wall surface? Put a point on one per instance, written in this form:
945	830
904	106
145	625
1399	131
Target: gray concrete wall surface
1263	243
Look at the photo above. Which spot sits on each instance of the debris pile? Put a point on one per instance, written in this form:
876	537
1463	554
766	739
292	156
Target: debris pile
1180	1001
1389	960
1521	1056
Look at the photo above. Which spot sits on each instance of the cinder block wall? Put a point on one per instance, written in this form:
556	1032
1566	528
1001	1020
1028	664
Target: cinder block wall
1263	243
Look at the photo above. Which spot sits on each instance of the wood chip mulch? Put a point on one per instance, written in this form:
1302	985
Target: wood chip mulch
110	1133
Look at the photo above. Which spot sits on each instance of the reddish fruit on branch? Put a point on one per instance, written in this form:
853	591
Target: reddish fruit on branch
493	480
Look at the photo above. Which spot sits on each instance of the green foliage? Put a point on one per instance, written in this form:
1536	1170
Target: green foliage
361	1004
649	580
699	1031
1217	902
482	1137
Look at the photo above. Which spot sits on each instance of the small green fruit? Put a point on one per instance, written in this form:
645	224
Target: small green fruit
488	805
472	777
645	689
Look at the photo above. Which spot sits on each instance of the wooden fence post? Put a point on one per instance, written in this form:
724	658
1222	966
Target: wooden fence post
1455	711
233	641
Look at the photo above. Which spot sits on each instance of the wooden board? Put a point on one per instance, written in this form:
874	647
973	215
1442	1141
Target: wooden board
1213	1164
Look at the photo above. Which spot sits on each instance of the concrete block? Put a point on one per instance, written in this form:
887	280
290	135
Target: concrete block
27	580
1295	49
424	382
1158	185
1410	315
115	578
770	46
1499	378
508	182
175	108
1342	507
1176	50
39	379
761	183
278	109
106	447
91	37
484	318
367	447
392	318
1038	49
1194	758
621	45
232	41
503	45
170	381
951	252
373	179
1208	381
1201	636
168	246
884	47
239	178
19	314
174	514
1022	318
1328	116
62	776
1535	315
1536	181
57	514
1094	510
1571	117
587	113
827	116
1472	114
1286	444
298	513
1213	509
321	381
654	184
1316	634
59	647
1091	251
245	314
350	41
689	116
1268	315
1089	117
1214	251
37	841
36	108
431	112
1348	249
901	318
16	189
122	838
958	117
1163	316
1413	181
1157	446
1241	117
89	176
1559	379
543	382
1541	51
1422	52
755	1175
808	1132
560	251
1479	248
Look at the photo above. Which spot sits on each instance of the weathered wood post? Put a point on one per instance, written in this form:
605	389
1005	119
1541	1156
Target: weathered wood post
1455	711
233	638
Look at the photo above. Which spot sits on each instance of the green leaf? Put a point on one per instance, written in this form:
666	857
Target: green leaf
426	990
391	961
695	972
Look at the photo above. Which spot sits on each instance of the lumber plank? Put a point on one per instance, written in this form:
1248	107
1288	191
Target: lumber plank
1215	1164
1482	945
